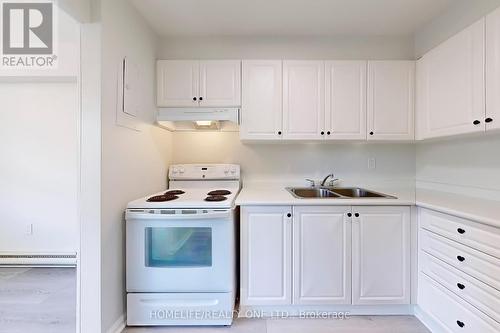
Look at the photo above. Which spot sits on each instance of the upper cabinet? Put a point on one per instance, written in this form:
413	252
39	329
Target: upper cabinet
303	99
345	100
391	86
178	83
192	83
262	93
451	86
492	118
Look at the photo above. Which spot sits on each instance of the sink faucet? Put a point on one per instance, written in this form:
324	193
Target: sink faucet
326	178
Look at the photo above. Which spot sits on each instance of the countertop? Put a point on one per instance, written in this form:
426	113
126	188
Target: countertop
278	195
472	208
476	209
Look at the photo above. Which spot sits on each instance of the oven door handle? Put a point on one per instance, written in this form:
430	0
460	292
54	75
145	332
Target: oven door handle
146	214
179	302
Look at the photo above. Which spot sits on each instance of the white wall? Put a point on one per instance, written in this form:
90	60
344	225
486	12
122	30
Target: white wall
294	162
134	163
39	149
470	164
460	15
286	48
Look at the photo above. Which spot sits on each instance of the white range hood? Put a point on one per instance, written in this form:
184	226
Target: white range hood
198	118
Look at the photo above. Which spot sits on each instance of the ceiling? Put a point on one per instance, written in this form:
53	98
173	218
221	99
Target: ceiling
289	17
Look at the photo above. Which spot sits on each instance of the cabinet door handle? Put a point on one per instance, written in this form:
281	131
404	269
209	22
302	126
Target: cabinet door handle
289	215
279	132
460	286
461	231
328	133
201	98
488	120
460	258
349	215
194	99
476	122
460	323
371	133
322	133
356	215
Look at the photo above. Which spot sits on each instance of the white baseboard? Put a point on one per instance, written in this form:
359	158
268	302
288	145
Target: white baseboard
251	311
119	325
428	321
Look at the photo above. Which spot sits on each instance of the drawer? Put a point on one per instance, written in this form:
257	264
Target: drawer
477	293
473	262
450	311
479	236
159	309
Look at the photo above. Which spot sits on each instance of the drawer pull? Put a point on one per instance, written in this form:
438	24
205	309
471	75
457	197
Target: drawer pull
461	231
460	258
460	323
460	286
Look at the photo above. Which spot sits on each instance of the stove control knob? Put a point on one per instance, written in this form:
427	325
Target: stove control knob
226	172
174	171
233	171
181	171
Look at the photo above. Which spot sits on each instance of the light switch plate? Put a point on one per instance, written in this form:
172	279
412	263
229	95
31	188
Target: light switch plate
372	163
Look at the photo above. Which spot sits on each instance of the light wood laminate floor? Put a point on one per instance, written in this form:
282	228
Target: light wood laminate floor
37	300
354	324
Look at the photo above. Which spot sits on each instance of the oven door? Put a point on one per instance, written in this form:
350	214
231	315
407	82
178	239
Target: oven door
180	250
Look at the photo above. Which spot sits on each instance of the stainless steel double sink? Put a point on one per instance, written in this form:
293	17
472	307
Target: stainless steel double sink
335	193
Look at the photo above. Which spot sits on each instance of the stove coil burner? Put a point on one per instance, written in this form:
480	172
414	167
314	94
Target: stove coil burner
162	198
215	198
174	192
219	192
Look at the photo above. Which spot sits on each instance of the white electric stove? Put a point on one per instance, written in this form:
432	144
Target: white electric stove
181	249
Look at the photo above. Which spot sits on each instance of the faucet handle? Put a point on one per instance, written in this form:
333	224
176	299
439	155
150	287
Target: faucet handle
311	182
332	181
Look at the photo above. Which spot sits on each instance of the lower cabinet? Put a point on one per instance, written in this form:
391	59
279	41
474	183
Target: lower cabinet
381	255
321	255
339	255
266	250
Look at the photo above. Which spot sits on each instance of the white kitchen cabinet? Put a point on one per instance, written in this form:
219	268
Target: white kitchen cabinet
322	255
492	118
303	99
192	83
381	255
220	83
451	86
266	249
262	94
390	100
178	83
345	100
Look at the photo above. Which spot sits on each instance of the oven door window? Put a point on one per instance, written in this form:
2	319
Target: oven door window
178	247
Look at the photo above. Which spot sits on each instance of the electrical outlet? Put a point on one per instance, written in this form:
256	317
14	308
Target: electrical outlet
29	229
372	163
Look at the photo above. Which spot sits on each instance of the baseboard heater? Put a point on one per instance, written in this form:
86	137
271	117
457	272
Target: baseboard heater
41	260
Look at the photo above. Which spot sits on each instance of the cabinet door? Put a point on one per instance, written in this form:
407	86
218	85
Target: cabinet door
345	106
493	70
391	86
220	83
177	83
381	255
303	99
451	86
322	255
262	93
266	236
